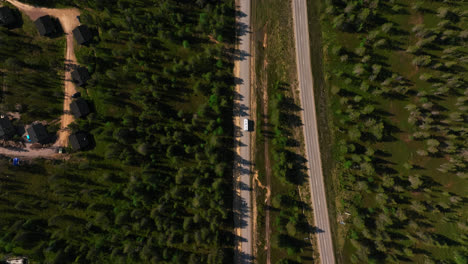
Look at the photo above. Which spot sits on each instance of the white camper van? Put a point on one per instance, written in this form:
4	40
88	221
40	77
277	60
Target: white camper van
246	124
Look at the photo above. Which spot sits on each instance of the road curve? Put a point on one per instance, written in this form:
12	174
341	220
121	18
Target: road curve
242	204
316	180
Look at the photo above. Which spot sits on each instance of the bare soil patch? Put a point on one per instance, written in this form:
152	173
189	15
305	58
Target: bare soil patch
416	19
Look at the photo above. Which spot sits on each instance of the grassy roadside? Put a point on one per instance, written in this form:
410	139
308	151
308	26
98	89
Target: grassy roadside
324	120
278	119
259	157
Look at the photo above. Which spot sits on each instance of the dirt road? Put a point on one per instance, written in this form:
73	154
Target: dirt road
306	87
27	152
68	20
66	16
69	90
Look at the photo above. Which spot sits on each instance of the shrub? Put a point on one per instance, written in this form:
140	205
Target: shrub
422	60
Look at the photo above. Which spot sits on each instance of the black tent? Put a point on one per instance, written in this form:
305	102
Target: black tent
7	18
79	140
45	26
79	108
82	34
6	128
80	75
37	133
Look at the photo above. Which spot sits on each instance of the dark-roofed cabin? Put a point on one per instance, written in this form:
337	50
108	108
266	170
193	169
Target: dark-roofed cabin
45	26
80	75
82	35
79	140
79	108
38	133
7	130
7	18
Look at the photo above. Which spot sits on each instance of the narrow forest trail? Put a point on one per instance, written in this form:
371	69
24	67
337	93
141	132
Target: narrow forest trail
68	20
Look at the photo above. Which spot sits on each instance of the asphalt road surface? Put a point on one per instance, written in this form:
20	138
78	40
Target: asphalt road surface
317	185
242	172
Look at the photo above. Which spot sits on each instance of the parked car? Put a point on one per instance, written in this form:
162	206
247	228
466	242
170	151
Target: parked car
246	124
76	95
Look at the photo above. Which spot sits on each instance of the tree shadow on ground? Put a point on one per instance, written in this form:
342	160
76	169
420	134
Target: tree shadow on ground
297	173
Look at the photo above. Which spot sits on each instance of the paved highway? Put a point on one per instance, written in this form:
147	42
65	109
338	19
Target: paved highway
317	185
242	171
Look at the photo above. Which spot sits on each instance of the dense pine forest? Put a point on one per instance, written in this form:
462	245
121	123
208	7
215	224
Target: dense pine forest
397	77
156	188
